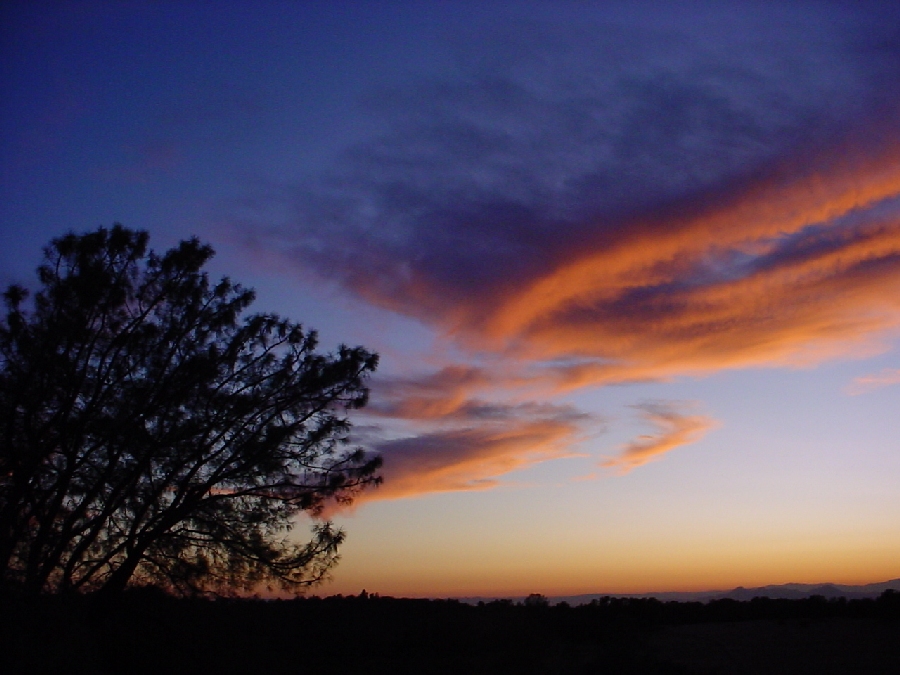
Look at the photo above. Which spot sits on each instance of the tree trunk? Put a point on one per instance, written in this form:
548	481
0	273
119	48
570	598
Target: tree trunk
118	580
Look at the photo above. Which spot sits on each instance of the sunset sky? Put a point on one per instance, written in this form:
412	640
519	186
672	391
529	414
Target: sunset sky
633	269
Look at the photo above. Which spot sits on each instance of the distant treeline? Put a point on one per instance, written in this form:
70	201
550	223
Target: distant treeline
147	631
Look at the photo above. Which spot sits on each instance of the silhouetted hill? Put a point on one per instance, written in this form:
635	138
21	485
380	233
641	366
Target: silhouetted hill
791	591
801	591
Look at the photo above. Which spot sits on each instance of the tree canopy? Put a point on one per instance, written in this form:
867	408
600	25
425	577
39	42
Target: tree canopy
152	433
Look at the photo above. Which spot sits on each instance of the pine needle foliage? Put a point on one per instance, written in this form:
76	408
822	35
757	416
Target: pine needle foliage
152	432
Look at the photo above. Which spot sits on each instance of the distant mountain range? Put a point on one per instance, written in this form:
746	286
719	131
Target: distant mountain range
779	592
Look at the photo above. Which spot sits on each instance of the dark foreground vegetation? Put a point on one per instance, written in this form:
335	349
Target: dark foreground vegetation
147	631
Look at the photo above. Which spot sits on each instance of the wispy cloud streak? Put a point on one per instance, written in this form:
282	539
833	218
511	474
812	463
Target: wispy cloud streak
674	429
784	273
459	442
469	458
867	383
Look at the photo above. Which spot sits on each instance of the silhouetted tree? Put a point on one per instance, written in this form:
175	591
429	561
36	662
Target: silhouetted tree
536	600
151	434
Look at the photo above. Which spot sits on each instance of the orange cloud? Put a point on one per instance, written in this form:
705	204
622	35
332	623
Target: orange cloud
431	396
462	442
470	458
866	383
674	429
791	271
659	251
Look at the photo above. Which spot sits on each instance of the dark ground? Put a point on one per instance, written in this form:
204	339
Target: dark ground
145	631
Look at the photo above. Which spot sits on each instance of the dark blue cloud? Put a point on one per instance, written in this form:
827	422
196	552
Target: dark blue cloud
549	139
